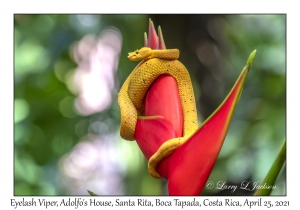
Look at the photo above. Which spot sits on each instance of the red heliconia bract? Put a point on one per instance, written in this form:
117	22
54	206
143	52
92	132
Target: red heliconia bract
189	166
162	100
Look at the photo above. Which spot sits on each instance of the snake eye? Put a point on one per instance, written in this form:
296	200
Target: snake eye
136	52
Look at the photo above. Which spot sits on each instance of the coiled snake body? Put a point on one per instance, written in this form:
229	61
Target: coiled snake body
155	63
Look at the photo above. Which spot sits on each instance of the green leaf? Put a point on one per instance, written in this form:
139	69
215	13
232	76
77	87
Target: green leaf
91	193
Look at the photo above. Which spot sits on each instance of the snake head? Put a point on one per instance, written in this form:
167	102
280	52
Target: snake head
140	54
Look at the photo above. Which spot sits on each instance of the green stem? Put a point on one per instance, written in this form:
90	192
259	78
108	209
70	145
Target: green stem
273	173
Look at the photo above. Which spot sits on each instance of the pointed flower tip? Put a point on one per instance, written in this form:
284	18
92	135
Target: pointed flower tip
161	42
159	29
145	40
151	24
251	58
152	36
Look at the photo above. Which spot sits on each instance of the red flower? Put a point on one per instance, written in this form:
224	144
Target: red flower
189	166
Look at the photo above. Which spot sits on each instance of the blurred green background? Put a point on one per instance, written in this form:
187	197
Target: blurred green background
69	69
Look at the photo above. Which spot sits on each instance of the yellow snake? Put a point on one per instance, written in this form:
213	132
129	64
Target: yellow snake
131	96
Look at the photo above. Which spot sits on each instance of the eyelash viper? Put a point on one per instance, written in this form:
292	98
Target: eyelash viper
155	63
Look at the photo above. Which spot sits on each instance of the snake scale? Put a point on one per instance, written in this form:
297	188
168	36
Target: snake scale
131	97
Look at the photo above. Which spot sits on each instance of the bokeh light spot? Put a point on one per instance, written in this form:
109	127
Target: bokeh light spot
21	109
66	107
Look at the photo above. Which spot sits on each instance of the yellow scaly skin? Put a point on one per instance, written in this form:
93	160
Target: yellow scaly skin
155	63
